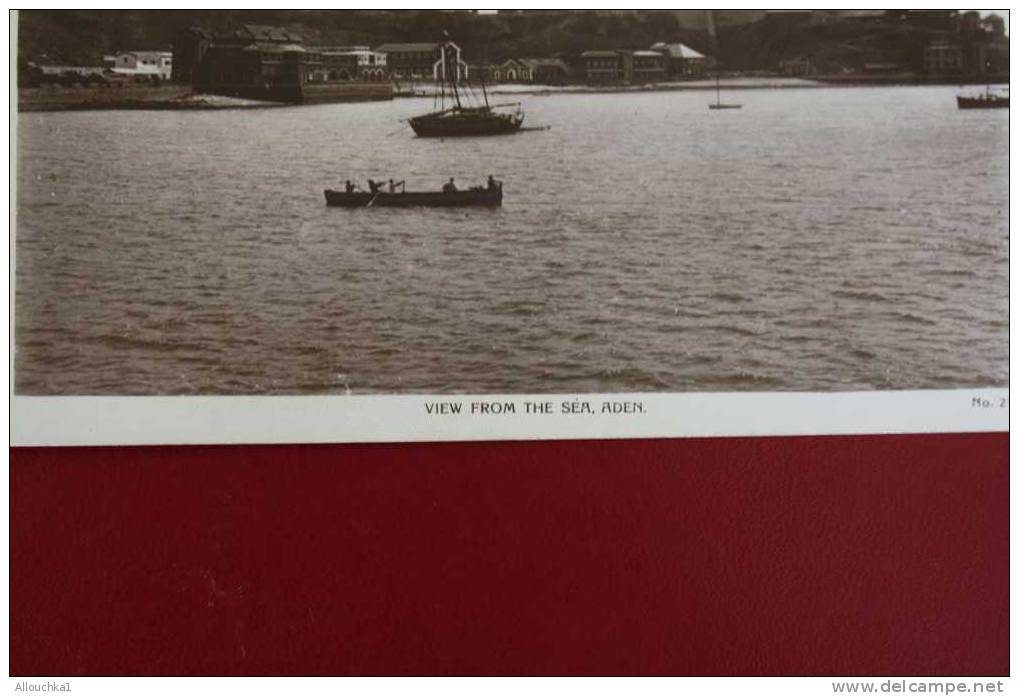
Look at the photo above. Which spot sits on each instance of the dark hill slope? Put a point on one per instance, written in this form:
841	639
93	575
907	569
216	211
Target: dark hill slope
830	46
81	37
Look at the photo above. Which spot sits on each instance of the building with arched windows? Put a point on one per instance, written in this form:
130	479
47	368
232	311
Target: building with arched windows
261	62
423	61
353	63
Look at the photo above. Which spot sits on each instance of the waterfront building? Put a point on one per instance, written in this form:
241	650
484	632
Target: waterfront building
188	52
512	70
158	64
273	64
368	65
335	66
681	61
541	71
423	61
623	66
345	63
602	67
943	58
646	66
253	61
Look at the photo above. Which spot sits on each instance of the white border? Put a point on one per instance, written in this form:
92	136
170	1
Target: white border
87	420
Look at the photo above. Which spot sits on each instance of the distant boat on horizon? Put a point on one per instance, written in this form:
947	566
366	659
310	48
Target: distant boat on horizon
987	100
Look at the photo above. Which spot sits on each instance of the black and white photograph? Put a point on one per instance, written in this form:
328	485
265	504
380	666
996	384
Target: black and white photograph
373	202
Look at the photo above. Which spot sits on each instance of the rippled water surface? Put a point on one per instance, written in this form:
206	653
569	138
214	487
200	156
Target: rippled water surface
817	239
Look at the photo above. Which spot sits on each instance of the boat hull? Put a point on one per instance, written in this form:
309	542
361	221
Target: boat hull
415	199
460	126
982	102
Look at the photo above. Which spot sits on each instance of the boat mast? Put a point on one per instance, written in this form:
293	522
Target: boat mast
436	99
452	81
442	79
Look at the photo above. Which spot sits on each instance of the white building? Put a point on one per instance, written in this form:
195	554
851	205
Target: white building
424	61
143	63
371	65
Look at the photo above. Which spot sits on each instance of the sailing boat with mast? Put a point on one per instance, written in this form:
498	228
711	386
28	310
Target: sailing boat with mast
462	119
718	97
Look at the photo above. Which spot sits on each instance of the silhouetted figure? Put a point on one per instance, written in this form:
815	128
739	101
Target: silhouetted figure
394	185
350	187
492	185
450	186
374	186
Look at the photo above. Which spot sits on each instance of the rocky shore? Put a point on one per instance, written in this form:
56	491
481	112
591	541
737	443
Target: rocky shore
163	98
179	98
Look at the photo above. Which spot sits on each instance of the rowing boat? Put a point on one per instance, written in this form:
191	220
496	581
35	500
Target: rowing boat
410	199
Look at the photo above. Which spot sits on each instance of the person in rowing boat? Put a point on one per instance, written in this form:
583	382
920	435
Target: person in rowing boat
374	186
350	187
450	186
492	183
401	184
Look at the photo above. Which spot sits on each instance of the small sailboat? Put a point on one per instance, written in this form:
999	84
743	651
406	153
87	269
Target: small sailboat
460	119
718	98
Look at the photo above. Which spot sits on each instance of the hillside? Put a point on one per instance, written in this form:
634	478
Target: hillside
831	47
742	40
81	37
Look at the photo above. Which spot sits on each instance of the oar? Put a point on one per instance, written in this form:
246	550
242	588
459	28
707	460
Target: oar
372	200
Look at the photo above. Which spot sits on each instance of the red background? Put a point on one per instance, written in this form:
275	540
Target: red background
874	555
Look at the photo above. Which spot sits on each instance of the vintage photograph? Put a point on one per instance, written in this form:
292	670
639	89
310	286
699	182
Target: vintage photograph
319	202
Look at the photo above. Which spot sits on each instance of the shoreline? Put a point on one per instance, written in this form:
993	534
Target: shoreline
731	84
750	83
161	98
181	98
178	98
148	105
